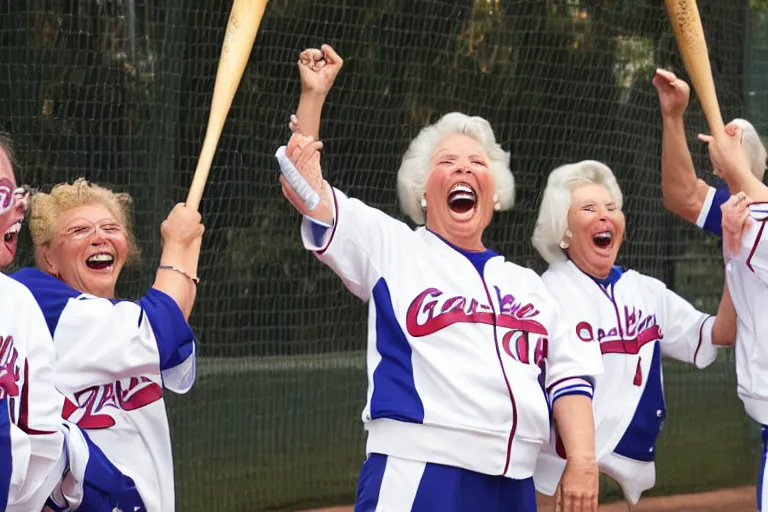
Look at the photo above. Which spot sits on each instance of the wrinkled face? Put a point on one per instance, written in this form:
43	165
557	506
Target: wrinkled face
13	204
460	190
597	226
89	250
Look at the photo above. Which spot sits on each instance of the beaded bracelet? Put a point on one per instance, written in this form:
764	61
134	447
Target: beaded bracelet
169	267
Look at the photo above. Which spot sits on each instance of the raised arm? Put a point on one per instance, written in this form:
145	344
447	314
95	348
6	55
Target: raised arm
683	193
318	69
182	235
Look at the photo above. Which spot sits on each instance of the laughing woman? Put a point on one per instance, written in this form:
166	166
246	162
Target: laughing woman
635	319
114	357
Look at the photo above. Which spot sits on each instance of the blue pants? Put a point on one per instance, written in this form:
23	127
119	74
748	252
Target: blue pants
6	453
390	484
762	488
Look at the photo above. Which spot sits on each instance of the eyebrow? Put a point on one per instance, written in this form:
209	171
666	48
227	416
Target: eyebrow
105	220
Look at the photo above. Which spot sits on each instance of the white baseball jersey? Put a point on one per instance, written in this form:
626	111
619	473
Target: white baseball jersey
456	344
112	360
636	320
31	438
747	276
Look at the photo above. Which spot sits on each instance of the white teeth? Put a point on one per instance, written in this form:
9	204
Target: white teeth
461	187
605	234
15	228
100	258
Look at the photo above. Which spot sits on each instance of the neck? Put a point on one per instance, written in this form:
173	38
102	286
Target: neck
596	271
472	243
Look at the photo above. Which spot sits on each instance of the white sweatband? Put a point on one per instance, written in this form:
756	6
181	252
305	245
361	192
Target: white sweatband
296	180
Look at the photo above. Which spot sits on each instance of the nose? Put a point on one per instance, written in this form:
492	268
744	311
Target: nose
463	169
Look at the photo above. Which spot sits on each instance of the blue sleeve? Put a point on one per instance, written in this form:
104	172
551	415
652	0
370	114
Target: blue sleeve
174	337
710	212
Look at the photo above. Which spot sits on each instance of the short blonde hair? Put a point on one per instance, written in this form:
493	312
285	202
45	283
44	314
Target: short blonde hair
556	202
416	165
45	210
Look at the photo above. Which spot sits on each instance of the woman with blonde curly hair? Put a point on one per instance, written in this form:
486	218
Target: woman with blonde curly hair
113	357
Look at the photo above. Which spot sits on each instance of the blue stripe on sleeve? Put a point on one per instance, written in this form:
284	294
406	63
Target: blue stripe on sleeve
713	222
319	229
174	337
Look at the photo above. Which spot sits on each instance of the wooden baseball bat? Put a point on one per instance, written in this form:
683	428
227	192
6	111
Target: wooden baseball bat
686	24
244	21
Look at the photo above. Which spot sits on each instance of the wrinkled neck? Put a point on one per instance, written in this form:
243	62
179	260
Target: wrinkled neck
472	242
596	270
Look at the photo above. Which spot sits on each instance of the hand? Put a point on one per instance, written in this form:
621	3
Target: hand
318	69
579	485
182	229
304	153
736	221
673	93
729	158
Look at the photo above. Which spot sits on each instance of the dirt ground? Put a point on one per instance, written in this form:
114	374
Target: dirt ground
741	499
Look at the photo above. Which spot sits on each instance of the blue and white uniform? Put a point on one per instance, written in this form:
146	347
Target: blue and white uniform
635	320
40	454
710	217
113	358
465	353
747	276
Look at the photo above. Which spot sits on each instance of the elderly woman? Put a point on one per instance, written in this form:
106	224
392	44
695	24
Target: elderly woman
114	357
634	318
456	412
745	252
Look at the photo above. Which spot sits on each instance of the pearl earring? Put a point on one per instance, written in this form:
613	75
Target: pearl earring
423	203
568	233
564	245
496	203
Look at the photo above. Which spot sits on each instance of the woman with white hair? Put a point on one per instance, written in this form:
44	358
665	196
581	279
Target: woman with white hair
745	252
633	318
456	410
684	194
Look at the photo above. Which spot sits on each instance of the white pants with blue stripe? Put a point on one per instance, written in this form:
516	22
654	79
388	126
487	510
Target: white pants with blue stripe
390	484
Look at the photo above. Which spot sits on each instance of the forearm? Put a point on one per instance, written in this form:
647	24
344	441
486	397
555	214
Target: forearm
177	285
576	426
309	112
678	176
724	328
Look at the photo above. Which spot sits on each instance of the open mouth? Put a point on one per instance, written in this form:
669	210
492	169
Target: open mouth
100	261
603	240
12	234
461	198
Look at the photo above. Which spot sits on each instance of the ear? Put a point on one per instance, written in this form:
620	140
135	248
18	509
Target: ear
47	261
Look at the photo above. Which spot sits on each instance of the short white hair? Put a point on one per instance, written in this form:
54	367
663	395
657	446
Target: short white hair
417	162
556	202
754	147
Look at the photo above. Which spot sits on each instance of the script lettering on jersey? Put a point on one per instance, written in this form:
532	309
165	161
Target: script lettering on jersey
95	402
433	310
10	372
628	335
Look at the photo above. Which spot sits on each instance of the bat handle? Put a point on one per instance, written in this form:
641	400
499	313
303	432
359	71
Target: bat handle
195	194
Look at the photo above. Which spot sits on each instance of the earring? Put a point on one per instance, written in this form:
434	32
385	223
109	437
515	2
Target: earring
568	233
423	203
496	203
564	245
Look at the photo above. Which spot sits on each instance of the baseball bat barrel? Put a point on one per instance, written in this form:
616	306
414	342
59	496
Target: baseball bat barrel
686	24
244	20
